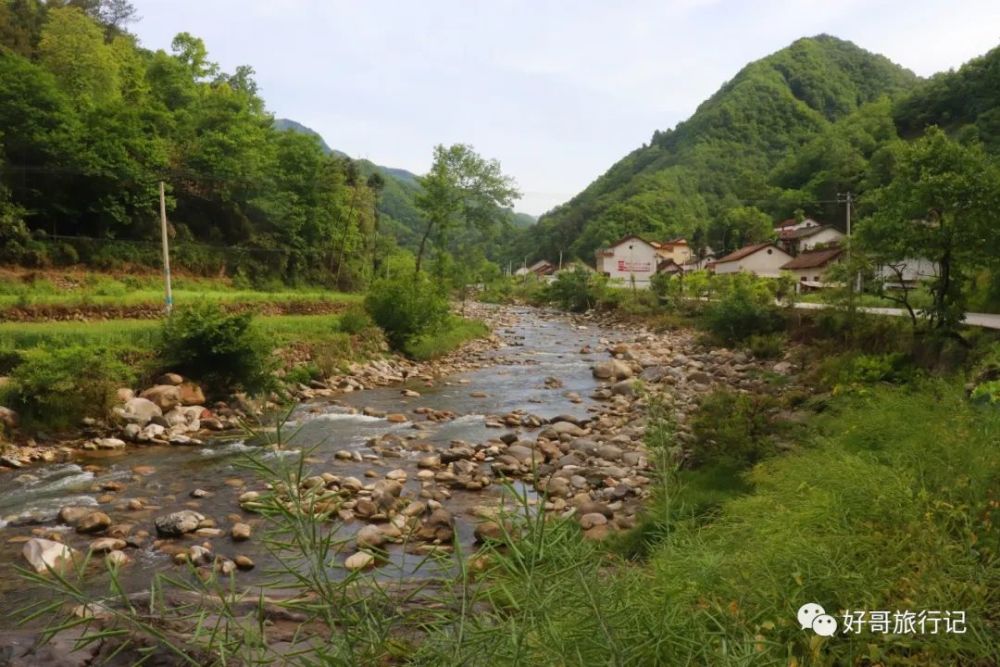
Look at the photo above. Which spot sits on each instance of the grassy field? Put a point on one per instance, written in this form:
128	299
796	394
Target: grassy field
94	289
113	333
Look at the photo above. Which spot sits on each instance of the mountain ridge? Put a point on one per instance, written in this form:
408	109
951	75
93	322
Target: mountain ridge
719	157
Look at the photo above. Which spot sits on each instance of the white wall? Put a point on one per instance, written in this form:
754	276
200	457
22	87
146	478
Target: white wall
915	270
828	235
631	258
766	262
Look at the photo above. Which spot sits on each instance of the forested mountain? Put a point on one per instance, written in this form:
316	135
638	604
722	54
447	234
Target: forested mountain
718	164
90	123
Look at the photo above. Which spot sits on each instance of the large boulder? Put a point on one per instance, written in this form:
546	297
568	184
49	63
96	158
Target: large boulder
165	396
191	394
93	522
560	427
141	411
612	370
178	523
8	418
44	555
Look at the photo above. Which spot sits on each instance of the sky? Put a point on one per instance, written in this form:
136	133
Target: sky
557	91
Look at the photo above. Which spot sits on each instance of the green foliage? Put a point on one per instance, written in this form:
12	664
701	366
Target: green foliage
767	346
446	337
745	308
576	291
734	426
858	371
58	387
96	121
462	189
406	307
697	173
224	352
940	206
987	392
355	320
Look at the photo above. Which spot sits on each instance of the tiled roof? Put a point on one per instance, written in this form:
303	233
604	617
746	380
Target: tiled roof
814	259
790	234
745	251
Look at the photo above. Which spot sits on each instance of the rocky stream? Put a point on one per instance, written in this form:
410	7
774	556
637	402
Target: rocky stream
405	458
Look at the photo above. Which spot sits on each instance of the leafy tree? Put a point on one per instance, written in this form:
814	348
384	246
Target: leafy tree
940	205
72	47
462	188
21	25
740	226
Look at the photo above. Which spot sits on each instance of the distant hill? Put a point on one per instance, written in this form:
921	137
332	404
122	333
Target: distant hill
688	177
400	216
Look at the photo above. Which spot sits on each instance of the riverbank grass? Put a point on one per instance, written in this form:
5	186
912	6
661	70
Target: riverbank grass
446	338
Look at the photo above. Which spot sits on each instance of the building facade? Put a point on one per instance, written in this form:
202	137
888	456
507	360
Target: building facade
762	259
632	260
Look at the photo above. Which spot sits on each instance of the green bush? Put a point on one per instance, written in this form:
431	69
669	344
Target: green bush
445	338
58	387
854	371
355	320
767	346
222	351
745	308
406	307
575	291
734	426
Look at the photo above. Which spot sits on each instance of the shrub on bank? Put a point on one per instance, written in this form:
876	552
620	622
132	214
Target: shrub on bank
224	352
355	320
58	387
576	291
406	307
446	337
745	308
734	426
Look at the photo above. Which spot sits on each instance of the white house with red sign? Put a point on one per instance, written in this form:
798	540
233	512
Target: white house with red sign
632	260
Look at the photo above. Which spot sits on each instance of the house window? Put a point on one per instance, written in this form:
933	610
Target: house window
803	278
816	278
768	251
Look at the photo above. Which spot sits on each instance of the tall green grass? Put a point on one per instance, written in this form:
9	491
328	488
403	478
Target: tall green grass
99	289
447	337
20	335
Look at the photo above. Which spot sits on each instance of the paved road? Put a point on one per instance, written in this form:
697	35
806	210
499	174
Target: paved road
986	320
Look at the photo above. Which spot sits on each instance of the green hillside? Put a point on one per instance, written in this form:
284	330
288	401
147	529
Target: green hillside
399	215
721	158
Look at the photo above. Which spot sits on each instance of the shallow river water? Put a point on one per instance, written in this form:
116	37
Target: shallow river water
536	346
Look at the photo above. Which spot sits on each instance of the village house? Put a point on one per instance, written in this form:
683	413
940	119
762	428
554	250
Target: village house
906	272
631	260
697	263
810	267
676	250
669	267
539	268
802	239
792	224
761	259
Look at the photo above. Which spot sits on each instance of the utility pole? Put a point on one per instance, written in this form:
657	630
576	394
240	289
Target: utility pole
847	198
166	250
560	260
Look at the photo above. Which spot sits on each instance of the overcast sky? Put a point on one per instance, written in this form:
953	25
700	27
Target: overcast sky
557	91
